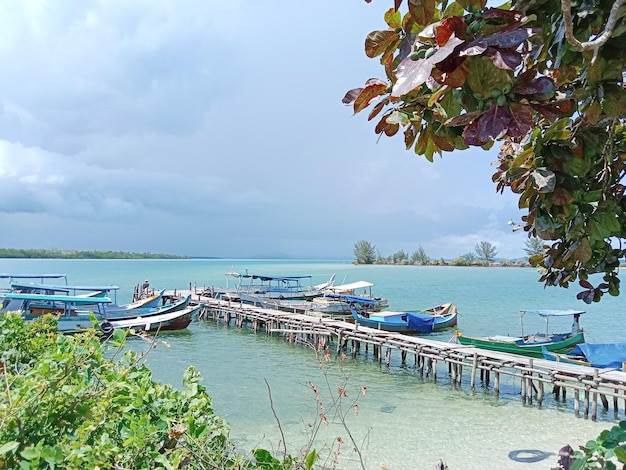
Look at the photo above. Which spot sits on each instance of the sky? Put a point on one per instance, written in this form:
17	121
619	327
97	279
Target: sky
212	128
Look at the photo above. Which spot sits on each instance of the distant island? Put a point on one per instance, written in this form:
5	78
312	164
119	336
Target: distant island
76	254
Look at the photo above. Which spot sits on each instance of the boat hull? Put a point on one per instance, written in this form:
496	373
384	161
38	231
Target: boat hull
407	322
561	344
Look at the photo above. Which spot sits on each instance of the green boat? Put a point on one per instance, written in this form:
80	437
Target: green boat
531	345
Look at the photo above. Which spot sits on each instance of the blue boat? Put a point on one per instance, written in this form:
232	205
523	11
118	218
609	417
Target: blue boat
89	291
424	321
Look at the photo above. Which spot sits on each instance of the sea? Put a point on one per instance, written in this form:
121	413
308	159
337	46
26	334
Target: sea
356	412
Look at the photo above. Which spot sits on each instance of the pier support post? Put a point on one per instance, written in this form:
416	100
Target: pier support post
576	402
496	382
388	357
474	365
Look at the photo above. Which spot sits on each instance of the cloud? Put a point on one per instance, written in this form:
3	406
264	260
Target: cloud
219	126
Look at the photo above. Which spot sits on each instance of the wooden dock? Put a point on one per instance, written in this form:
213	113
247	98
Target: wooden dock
588	387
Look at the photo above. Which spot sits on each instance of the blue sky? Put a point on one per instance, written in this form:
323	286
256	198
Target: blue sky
212	128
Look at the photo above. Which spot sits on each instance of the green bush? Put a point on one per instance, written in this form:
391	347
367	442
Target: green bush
69	402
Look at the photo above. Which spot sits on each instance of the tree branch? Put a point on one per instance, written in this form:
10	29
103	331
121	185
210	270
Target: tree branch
599	41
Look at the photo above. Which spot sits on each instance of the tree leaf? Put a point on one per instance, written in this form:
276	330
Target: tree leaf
448	27
350	96
538	86
422	11
411	73
472	5
393	18
373	89
377	42
494	123
507	60
376	110
521	120
543	180
8	447
483	75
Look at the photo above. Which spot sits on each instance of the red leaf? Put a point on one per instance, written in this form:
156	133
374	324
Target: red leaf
464	119
449	26
377	109
538	86
470	134
506	60
521	121
499	13
454	78
368	94
422	11
549	112
503	40
494	123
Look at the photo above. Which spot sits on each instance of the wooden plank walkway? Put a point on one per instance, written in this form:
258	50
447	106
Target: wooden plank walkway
590	387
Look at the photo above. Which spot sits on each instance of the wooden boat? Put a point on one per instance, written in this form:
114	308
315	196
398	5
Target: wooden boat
161	321
87	291
424	321
601	355
532	345
67	309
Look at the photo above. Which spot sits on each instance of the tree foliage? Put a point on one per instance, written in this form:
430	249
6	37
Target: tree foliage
533	246
364	252
75	402
419	256
545	79
486	251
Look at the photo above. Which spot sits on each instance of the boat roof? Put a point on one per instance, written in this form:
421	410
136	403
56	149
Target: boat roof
275	278
62	287
554	313
352	298
352	286
61	298
32	276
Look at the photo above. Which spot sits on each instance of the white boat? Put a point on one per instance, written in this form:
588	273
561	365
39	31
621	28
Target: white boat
334	302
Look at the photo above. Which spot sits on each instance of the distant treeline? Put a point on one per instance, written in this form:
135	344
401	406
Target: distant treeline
75	254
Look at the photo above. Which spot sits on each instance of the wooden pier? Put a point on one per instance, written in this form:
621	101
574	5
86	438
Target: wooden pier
588	387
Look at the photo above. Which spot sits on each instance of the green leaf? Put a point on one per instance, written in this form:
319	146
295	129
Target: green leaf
8	447
620	453
393	18
484	76
311	459
30	453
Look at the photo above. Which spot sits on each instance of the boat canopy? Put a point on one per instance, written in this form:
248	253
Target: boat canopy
602	354
33	276
554	313
352	286
69	299
62	287
276	278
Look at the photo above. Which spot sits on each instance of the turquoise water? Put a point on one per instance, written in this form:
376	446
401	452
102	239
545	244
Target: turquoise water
403	421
